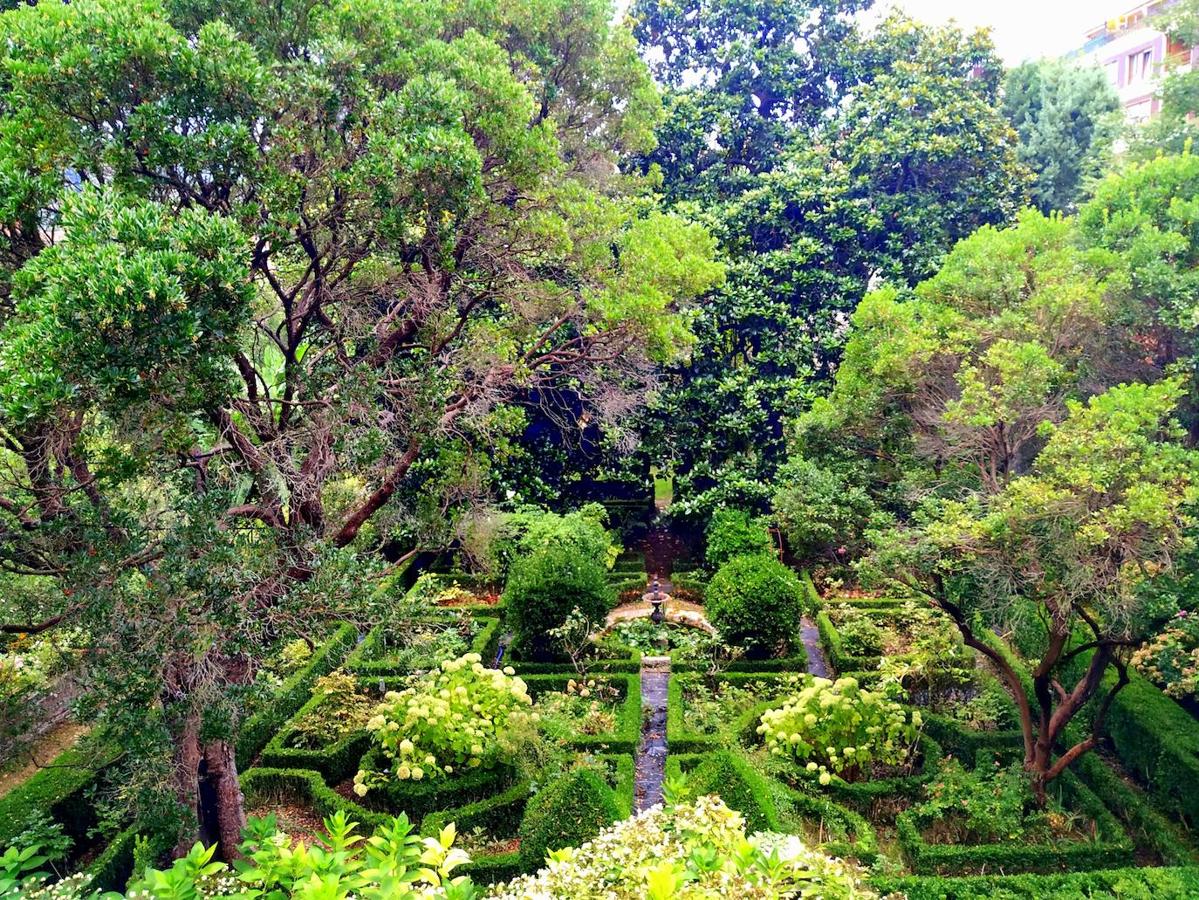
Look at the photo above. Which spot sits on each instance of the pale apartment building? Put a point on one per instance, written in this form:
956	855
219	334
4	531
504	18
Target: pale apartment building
1135	54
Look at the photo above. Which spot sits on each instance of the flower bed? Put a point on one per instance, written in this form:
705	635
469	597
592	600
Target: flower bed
703	712
624	703
422	644
1109	847
858	633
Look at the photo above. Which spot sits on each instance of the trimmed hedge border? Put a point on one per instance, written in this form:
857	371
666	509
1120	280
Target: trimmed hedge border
419	798
262	783
784	665
257	730
71	773
863	846
1113	849
1158	741
695	581
630	666
1180	883
1151	827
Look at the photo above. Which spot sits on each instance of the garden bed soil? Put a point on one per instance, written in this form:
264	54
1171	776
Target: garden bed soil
301	822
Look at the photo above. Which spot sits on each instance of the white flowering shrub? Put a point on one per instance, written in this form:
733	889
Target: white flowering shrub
838	728
693	851
453	719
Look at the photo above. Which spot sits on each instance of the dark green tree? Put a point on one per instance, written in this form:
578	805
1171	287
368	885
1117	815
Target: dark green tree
906	154
1068	118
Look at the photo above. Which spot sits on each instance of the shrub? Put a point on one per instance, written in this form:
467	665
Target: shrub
756	602
731	532
821	511
696	849
571	810
545	588
342	710
1171	659
837	728
496	542
454	718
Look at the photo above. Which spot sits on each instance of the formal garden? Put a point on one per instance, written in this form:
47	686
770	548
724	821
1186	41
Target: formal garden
575	451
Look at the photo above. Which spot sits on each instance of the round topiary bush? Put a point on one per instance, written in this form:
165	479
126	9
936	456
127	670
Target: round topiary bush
732	532
755	602
572	810
542	590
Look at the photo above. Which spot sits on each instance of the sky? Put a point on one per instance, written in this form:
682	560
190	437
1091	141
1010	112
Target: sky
1021	29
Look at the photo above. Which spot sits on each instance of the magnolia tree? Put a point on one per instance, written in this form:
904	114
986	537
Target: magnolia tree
1103	509
266	275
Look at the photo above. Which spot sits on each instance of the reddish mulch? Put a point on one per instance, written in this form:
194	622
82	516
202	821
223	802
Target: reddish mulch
300	822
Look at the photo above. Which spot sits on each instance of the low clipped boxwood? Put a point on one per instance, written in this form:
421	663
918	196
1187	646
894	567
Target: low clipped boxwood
1181	883
543	589
726	774
568	812
756	602
732	533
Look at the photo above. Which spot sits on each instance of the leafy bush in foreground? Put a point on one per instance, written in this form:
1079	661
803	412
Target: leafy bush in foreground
687	852
393	863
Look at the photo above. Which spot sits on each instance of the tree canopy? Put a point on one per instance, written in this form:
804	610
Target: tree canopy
268	281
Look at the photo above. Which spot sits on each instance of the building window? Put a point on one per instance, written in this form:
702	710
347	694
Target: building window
1140	66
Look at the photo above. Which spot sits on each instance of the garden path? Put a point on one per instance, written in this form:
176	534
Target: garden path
817	662
651	753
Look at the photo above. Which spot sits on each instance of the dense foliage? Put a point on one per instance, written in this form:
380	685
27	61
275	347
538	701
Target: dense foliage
1068	118
269	278
838	728
692	851
324	327
821	157
733	532
755	602
454	719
